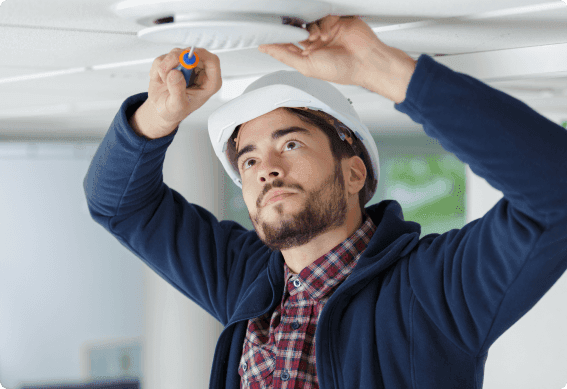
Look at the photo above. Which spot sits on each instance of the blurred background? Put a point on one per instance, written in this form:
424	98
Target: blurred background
78	310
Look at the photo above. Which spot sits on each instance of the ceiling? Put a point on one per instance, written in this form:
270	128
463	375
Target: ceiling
67	65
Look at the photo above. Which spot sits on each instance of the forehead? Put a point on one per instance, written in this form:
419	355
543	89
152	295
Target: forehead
271	127
272	120
263	127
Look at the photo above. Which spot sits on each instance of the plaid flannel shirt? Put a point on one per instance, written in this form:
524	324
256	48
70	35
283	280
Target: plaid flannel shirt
279	349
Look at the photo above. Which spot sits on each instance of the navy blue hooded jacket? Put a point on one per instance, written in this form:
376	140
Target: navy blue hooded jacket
415	312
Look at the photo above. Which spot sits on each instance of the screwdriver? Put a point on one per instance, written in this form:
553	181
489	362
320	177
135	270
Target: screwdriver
188	62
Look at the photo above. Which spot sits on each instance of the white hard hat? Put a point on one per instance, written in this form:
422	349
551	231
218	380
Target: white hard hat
287	89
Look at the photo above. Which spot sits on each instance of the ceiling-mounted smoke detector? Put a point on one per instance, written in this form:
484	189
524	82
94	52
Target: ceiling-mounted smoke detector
222	24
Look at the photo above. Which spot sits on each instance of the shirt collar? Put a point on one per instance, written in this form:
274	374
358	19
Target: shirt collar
325	274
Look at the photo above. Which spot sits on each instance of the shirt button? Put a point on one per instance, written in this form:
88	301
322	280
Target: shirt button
285	376
296	283
295	325
244	366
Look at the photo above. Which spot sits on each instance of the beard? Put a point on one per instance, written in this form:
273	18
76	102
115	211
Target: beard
325	209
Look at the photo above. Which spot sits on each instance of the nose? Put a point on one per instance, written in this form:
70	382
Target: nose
270	169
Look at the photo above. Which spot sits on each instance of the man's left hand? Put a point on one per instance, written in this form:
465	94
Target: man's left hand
344	50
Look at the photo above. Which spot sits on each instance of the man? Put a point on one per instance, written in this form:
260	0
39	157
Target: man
322	293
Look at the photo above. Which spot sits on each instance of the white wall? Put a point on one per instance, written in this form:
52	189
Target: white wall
67	285
64	281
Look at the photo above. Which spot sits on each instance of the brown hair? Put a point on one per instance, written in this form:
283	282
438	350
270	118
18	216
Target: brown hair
339	148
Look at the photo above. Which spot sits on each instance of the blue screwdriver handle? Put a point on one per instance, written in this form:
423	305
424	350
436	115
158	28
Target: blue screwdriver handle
188	62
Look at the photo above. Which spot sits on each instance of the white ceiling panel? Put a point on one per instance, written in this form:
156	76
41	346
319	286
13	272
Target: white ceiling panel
429	8
38	37
47	48
69	14
97	15
481	32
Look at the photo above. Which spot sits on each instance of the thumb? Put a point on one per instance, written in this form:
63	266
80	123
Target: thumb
176	86
287	53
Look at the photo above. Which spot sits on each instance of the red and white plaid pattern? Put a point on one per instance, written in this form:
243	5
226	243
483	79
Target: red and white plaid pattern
279	348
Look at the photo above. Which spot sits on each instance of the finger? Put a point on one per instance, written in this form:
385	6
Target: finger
328	24
313	46
314	32
328	32
154	71
313	36
278	49
310	47
176	87
211	80
320	31
288	54
170	62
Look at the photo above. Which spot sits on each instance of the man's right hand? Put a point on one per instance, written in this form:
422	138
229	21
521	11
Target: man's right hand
169	102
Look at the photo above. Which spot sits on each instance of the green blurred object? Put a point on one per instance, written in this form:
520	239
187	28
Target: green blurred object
430	188
564	124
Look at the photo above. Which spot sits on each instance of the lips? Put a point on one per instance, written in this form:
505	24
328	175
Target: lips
275	193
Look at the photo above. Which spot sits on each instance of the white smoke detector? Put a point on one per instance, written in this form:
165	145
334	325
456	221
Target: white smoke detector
222	24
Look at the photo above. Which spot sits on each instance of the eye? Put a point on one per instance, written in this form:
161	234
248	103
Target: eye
293	141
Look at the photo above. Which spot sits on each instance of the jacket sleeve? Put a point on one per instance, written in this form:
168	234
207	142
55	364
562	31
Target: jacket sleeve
476	282
183	243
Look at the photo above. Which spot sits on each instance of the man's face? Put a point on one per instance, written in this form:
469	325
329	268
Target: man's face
304	166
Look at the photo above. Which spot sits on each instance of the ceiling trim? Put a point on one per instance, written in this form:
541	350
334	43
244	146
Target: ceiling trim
549	61
379	24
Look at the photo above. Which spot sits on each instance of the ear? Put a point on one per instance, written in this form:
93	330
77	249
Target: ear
357	174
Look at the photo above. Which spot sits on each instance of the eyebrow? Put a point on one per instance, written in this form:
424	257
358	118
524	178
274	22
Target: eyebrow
275	135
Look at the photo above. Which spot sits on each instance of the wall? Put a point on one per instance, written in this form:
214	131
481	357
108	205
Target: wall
65	283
